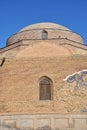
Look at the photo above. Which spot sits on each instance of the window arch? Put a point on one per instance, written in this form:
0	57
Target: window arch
44	34
45	92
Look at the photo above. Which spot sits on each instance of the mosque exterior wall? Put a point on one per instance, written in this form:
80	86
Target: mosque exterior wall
43	122
28	63
21	95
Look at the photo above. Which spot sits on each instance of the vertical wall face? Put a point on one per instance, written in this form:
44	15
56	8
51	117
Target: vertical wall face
41	122
44	77
20	85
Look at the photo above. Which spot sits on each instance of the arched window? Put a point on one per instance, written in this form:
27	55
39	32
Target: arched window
45	88
44	34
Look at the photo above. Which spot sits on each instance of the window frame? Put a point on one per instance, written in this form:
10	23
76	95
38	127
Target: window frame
46	96
44	35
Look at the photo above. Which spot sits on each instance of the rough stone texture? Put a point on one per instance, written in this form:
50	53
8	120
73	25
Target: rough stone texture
21	95
26	59
43	122
43	48
54	31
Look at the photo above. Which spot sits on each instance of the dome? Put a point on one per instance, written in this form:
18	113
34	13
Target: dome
45	25
34	32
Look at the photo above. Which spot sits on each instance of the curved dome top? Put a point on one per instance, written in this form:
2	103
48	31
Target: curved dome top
44	25
54	31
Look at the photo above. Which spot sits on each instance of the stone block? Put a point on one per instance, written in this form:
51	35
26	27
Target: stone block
25	124
43	124
61	124
80	123
9	123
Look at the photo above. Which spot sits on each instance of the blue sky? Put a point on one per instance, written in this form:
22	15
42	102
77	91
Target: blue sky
16	14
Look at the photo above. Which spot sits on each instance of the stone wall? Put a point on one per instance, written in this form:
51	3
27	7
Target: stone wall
43	48
19	85
52	34
43	122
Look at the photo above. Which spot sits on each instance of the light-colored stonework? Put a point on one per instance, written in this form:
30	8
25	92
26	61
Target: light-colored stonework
26	58
43	122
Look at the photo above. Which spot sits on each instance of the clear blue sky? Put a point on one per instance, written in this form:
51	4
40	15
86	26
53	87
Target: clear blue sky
16	14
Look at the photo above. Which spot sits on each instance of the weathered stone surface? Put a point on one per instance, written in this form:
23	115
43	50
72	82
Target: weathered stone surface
9	123
22	94
27	58
54	31
44	122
